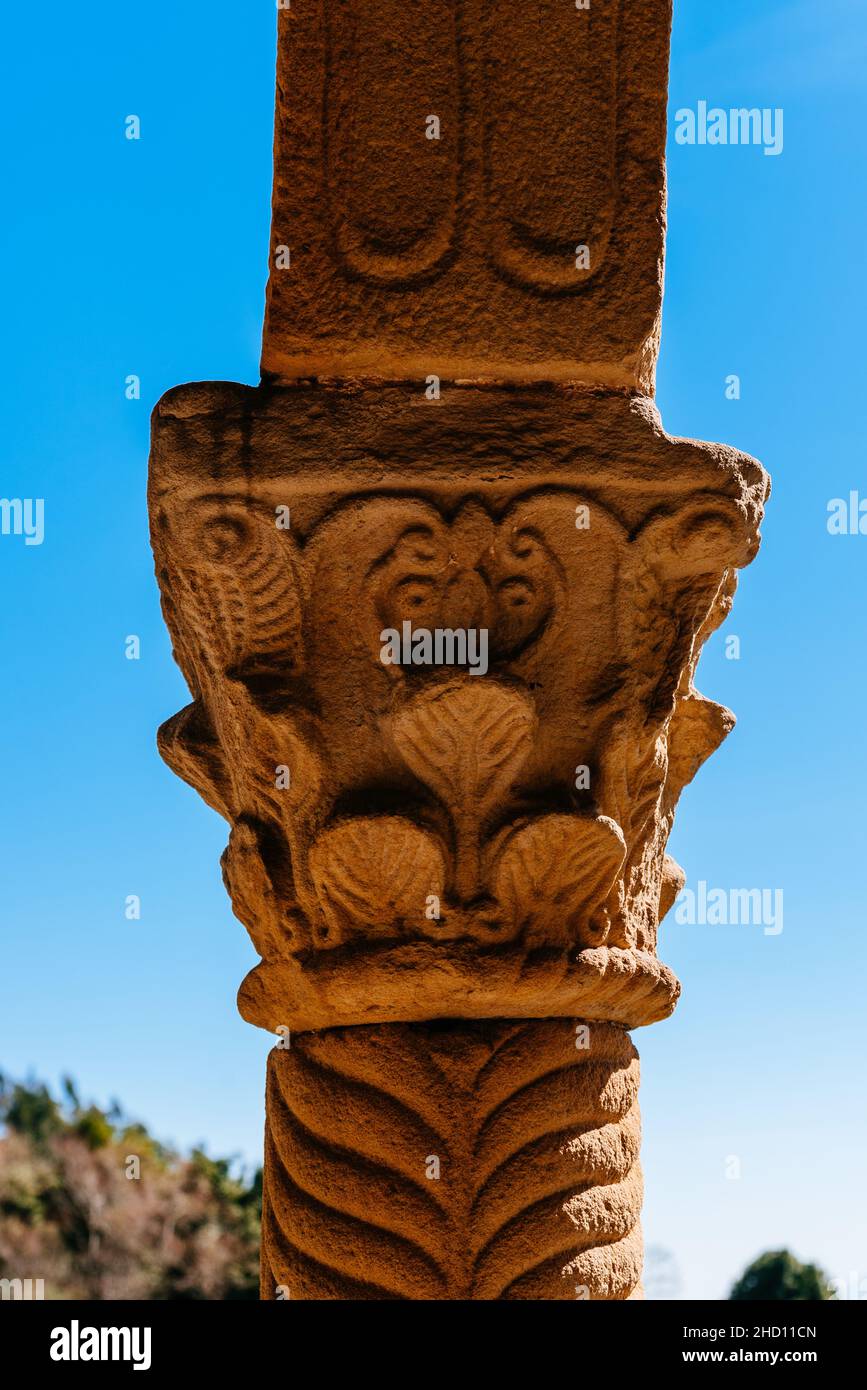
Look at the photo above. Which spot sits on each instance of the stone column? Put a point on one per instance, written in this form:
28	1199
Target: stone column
439	586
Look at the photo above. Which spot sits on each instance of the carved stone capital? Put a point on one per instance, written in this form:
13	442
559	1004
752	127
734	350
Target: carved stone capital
418	841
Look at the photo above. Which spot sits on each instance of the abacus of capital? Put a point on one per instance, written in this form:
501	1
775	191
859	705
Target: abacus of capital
454	879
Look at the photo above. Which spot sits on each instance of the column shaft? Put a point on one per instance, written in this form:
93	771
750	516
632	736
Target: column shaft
495	1160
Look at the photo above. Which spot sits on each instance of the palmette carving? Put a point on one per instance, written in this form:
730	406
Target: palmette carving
466	744
372	877
489	1161
555	873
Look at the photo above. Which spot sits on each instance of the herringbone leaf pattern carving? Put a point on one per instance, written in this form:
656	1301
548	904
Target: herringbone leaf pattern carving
489	1161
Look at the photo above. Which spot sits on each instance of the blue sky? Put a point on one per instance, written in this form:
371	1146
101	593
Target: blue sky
150	257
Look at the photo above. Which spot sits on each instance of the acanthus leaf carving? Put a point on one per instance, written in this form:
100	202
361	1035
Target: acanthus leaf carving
466	742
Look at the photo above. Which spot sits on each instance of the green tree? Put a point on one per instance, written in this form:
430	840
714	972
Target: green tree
30	1110
776	1276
